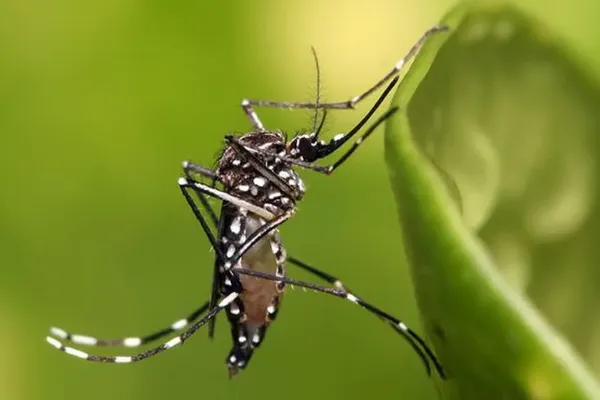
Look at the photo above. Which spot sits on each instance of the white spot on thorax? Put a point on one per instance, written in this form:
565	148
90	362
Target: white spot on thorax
259	181
230	251
236	225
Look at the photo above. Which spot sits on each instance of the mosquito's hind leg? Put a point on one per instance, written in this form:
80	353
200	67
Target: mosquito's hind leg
177	340
416	342
132	341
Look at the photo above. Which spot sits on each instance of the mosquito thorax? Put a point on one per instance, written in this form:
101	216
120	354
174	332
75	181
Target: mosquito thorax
241	179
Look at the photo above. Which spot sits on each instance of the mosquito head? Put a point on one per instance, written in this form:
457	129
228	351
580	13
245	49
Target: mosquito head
304	147
307	147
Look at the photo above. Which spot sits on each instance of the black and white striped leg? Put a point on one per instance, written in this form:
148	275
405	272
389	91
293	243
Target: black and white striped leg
133	341
192	184
418	344
247	106
351	103
151	352
336	282
332	280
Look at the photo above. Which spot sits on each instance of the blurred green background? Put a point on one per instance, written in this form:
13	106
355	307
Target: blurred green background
99	104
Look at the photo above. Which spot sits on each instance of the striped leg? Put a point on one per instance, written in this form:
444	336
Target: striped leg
417	343
190	183
129	341
151	352
332	280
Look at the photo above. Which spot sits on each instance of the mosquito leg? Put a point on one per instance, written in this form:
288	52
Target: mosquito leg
332	280
329	169
321	274
337	283
211	237
189	167
202	191
261	212
151	352
201	194
420	346
129	341
325	149
348	104
247	106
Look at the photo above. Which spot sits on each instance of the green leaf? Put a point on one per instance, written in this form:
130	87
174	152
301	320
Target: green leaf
509	116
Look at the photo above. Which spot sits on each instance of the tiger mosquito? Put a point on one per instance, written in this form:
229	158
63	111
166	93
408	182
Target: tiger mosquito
259	192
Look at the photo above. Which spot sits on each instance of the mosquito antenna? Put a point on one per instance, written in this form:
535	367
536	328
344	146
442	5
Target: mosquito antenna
314	53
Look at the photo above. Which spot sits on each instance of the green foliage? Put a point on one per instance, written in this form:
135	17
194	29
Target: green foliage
511	119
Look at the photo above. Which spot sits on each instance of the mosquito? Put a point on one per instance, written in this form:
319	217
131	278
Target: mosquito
258	188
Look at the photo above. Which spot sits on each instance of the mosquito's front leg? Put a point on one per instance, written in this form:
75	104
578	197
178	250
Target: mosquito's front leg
348	104
252	116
